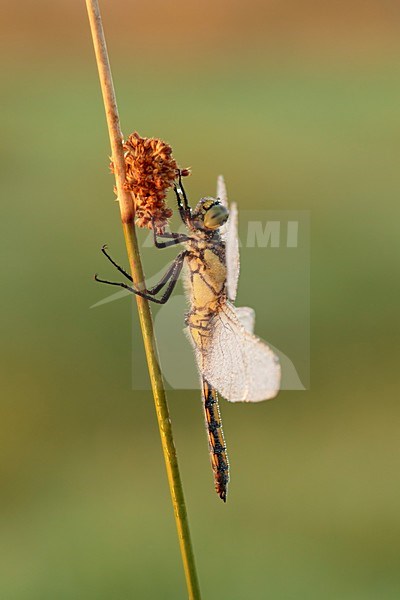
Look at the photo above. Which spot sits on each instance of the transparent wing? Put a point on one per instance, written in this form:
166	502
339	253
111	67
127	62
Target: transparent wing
232	253
229	234
240	366
221	191
246	316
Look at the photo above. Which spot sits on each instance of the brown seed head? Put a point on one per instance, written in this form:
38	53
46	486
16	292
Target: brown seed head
150	172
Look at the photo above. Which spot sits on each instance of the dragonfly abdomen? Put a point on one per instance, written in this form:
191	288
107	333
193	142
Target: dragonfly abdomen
219	457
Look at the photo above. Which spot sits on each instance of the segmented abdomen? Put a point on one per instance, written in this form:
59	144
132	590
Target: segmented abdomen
219	457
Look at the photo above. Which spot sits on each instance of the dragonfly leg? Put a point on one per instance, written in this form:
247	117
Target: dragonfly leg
184	208
185	200
120	269
157	287
173	238
172	275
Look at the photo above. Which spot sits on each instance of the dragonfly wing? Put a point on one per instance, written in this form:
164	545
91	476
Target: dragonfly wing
229	234
246	316
221	191
232	253
240	366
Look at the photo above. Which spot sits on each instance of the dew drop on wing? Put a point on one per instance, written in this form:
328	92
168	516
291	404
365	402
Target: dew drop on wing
240	366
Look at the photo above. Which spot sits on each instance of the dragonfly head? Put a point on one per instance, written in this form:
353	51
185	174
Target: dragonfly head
209	214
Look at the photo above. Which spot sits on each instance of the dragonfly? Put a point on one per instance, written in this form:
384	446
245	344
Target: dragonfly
232	361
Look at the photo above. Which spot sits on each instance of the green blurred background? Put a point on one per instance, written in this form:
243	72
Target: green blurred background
297	103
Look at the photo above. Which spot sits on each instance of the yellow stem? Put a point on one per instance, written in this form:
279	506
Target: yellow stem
146	322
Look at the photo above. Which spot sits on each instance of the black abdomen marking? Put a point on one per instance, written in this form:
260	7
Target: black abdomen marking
219	458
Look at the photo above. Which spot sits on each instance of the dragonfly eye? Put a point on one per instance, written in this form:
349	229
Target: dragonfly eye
215	216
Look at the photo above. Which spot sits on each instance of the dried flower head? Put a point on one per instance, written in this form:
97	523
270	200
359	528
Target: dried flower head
150	172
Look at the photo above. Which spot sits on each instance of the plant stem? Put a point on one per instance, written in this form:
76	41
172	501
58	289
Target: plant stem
146	322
